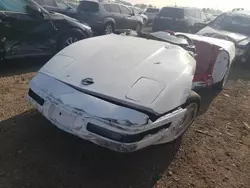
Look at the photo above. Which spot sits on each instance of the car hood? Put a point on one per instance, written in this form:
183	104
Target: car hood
126	69
231	36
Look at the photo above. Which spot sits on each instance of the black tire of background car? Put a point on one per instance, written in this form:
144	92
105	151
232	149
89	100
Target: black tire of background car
220	85
69	37
138	28
108	28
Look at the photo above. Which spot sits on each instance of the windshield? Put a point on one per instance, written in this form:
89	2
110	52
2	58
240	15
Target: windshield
152	10
233	23
18	5
88	6
172	12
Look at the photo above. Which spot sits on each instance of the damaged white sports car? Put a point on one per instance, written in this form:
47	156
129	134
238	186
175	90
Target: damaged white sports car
120	92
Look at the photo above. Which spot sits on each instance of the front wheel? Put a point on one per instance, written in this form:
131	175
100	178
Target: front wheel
70	37
108	28
138	28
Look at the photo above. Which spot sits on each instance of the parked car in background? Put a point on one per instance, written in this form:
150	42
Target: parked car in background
73	4
102	17
233	26
151	13
138	12
59	6
107	17
27	29
181	19
140	96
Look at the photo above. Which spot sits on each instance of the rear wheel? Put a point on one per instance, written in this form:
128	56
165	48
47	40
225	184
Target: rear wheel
108	28
70	37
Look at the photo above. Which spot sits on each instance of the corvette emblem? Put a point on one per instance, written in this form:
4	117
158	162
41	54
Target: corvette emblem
87	81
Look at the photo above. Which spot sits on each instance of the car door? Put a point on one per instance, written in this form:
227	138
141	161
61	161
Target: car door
129	21
23	34
117	16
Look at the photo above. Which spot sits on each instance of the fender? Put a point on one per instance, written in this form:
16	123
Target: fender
109	19
64	31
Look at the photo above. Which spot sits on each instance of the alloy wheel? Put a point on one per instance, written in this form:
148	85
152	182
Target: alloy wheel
108	29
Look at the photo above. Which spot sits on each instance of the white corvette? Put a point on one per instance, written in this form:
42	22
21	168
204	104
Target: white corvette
120	92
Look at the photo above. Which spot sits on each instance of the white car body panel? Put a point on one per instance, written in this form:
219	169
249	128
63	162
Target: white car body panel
224	59
224	44
119	65
71	111
140	88
220	66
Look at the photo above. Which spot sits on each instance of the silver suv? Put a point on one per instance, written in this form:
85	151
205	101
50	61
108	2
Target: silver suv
108	17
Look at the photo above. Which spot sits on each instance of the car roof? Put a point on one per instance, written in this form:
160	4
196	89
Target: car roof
240	12
102	2
153	8
186	8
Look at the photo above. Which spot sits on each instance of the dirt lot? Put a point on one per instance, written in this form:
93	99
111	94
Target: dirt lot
215	152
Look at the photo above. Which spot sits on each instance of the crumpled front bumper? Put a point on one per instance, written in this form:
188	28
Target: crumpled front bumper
93	124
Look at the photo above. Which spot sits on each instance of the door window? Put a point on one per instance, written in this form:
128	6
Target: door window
190	13
61	4
115	8
51	3
40	2
125	10
107	7
136	11
203	16
14	5
197	14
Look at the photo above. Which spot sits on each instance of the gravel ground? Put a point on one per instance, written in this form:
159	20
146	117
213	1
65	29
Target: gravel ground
215	152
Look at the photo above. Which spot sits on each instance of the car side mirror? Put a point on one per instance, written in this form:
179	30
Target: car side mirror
34	11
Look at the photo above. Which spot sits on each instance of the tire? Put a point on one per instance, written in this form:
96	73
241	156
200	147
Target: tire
193	106
138	28
69	37
221	85
108	28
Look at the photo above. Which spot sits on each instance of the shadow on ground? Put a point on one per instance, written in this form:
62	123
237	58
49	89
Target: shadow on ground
240	72
36	154
207	97
21	66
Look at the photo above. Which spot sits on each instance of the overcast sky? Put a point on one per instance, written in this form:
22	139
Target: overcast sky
217	4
